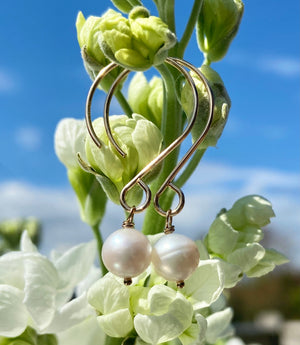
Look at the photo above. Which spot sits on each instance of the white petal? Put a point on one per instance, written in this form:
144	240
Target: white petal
13	314
160	297
155	329
108	295
205	285
12	269
72	267
69	140
195	334
40	289
72	313
232	273
117	324
26	244
218	325
93	275
247	257
85	333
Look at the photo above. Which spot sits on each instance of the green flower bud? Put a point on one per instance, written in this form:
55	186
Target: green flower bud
221	109
87	35
217	25
69	141
93	58
139	138
250	210
146	98
137	42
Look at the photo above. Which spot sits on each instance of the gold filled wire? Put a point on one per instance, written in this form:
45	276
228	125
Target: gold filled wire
180	65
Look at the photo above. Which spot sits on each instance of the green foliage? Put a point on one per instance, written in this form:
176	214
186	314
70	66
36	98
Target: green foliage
11	231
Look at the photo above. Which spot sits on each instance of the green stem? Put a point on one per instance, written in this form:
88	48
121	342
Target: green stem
171	128
189	28
99	240
113	341
123	103
190	168
169	14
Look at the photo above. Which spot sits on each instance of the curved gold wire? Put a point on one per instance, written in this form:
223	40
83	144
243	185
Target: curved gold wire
189	153
103	72
178	64
138	178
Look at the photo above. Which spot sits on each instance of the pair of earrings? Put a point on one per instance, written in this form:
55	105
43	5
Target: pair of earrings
127	252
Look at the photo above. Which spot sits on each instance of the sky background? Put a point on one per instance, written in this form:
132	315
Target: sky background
42	80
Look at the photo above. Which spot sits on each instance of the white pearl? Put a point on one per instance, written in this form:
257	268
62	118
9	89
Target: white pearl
126	253
175	257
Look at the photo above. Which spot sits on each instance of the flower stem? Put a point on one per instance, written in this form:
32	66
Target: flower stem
123	103
97	234
189	28
171	128
190	168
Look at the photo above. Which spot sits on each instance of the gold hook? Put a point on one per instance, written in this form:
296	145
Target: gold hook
179	65
189	153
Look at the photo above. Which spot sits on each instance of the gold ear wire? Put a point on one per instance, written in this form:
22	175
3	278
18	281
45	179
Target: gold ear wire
179	65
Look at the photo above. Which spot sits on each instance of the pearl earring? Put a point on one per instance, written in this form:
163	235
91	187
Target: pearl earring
127	252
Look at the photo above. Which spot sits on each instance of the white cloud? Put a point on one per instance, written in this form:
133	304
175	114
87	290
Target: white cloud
284	66
211	188
28	138
281	65
7	82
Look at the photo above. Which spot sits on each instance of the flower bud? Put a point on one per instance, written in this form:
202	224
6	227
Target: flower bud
93	58
252	211
221	108
139	138
136	43
217	25
70	138
146	98
87	35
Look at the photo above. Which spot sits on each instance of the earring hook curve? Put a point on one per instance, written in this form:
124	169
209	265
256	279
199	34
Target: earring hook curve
178	64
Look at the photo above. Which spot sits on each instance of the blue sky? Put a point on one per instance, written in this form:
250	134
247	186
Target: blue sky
42	80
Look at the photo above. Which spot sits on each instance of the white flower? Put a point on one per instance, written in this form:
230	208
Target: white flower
157	312
69	140
36	292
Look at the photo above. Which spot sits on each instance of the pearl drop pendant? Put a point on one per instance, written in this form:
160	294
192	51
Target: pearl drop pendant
175	257
126	253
